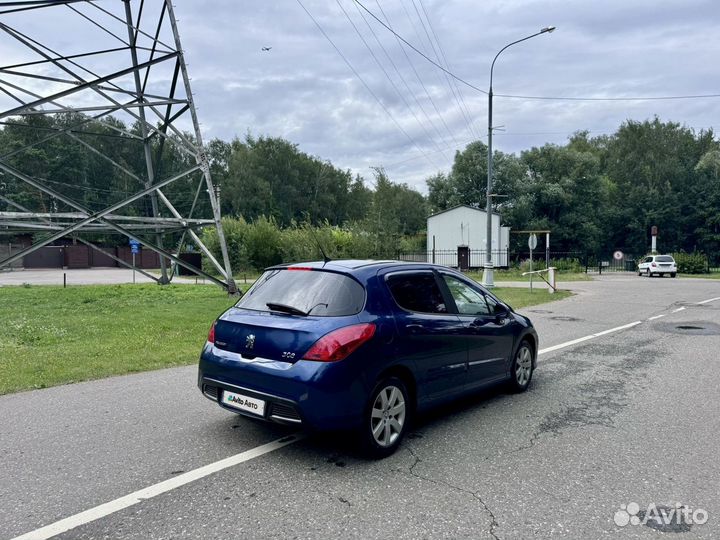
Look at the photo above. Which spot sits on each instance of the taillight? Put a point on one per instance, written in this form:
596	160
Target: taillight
211	333
653	265
339	344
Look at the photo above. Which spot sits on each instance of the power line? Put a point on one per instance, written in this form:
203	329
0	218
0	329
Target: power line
464	106
397	90
555	98
637	98
417	76
417	34
398	36
437	57
399	74
362	80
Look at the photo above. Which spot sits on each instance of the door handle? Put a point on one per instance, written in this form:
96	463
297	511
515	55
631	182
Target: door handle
414	328
478	323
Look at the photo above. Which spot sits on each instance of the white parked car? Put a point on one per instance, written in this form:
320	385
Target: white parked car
658	265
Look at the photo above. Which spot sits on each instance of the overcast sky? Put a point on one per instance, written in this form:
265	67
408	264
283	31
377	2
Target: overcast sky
404	115
303	90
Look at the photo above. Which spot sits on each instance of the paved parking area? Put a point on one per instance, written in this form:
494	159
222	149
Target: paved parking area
81	276
622	409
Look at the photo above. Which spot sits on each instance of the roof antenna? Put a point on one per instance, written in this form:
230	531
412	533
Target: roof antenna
326	259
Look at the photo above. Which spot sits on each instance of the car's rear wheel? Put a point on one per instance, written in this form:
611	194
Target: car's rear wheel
522	368
647	273
386	418
672	274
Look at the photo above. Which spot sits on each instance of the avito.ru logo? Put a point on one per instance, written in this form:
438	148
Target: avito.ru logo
630	514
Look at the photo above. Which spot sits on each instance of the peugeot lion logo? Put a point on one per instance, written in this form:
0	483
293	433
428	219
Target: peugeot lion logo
250	341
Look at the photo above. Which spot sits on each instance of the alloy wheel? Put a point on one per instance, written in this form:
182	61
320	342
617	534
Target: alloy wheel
523	366
387	418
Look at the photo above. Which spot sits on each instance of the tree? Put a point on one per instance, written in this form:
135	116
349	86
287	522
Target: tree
396	210
653	165
707	227
564	193
467	181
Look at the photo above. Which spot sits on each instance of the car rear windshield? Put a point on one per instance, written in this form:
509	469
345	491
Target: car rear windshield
664	258
313	292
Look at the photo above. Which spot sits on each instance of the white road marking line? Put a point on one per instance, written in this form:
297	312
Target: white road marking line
585	338
611	330
617	328
149	492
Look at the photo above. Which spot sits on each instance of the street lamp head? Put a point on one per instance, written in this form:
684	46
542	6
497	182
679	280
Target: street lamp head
547	29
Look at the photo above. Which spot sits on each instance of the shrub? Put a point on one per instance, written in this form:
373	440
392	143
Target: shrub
257	245
561	265
235	230
691	263
263	241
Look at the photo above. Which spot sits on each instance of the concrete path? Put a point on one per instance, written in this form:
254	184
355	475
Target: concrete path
89	276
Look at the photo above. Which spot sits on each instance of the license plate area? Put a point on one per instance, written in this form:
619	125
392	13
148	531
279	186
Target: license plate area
244	403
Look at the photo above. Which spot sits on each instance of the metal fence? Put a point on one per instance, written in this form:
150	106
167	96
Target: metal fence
564	261
7	250
449	257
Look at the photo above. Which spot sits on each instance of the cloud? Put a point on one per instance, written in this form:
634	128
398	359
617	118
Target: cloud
303	90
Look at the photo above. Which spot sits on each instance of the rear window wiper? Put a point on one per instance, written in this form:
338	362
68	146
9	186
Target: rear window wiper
286	309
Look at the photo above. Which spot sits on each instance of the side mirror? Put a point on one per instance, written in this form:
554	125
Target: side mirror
501	313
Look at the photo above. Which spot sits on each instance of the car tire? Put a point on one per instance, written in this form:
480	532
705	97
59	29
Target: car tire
672	274
521	370
386	418
647	273
639	273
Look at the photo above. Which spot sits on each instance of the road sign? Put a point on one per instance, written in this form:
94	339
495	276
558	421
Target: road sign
134	246
618	255
532	241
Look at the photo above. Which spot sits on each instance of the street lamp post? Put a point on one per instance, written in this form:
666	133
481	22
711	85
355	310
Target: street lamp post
488	274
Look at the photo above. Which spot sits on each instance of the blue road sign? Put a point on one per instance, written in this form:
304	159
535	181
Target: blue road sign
134	246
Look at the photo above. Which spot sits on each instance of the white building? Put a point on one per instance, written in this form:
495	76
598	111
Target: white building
461	232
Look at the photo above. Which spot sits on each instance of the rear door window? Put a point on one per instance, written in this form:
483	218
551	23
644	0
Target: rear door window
313	292
417	292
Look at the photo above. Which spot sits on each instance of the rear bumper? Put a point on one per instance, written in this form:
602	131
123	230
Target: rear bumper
314	395
277	409
659	270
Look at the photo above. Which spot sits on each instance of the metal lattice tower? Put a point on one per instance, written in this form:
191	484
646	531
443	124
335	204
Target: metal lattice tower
109	70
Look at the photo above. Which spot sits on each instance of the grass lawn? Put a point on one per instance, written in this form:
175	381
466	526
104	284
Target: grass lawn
50	335
516	275
714	275
520	297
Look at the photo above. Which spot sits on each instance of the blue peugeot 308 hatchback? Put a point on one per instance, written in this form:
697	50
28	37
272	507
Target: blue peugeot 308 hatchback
362	345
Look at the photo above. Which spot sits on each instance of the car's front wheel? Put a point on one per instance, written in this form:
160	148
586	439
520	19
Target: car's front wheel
522	368
386	418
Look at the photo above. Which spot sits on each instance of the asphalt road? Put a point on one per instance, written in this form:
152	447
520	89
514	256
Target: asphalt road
630	416
81	276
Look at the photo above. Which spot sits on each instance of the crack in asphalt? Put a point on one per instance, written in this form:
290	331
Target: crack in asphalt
533	441
493	520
